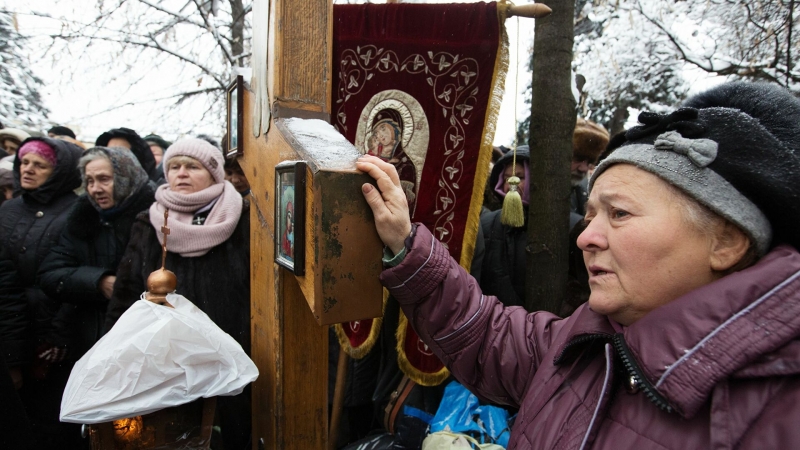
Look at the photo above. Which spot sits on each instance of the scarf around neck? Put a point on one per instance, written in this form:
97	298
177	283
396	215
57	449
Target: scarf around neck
192	240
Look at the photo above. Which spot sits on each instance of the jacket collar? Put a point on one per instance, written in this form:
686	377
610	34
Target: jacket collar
743	325
587	327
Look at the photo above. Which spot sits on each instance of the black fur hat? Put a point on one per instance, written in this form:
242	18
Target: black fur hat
139	147
735	149
60	130
775	109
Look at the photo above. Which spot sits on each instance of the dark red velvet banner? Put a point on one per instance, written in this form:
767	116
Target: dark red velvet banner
417	85
412	84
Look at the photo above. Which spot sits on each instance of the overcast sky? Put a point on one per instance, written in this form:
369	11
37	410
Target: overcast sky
83	91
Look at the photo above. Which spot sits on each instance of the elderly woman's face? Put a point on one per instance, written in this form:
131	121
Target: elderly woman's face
99	177
34	171
519	172
187	175
640	251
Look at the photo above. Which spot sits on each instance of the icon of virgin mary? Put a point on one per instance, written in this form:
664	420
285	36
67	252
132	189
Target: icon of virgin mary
385	141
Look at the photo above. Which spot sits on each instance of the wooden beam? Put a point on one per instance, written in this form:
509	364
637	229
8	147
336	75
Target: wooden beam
301	44
290	409
290	398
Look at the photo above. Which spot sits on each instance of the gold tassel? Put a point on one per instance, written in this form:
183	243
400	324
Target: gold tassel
513	215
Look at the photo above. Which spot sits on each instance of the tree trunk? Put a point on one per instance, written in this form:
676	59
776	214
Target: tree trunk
619	118
237	31
552	125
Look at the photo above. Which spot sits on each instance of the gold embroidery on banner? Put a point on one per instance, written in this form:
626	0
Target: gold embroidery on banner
453	81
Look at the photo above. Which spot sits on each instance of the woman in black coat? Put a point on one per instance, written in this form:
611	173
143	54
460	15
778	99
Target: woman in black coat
13	331
80	271
209	252
45	174
136	145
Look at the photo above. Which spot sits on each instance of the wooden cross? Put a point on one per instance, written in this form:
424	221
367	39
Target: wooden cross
165	230
290	398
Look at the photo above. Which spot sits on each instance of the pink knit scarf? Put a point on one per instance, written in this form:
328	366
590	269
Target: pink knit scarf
196	240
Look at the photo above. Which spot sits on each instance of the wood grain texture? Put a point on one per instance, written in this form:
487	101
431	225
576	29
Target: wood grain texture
302	52
289	348
290	401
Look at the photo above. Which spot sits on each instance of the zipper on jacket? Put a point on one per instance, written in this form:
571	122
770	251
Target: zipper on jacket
637	379
582	339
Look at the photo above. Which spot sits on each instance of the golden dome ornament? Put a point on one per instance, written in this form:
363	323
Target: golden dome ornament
162	281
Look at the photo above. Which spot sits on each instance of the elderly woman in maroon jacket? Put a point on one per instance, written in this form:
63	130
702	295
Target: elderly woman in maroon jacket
691	336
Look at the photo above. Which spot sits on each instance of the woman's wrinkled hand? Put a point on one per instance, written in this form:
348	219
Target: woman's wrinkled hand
388	202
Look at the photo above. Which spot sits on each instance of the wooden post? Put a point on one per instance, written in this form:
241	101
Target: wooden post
290	407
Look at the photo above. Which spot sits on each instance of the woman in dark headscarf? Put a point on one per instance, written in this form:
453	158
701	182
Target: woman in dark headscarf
81	269
45	174
130	139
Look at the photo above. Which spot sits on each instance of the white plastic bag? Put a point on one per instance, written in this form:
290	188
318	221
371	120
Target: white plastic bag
445	440
153	358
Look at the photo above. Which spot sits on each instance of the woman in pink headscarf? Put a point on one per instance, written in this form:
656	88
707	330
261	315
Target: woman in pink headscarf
36	348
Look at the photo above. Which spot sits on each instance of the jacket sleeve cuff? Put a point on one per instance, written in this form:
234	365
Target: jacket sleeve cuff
85	281
391	261
409	281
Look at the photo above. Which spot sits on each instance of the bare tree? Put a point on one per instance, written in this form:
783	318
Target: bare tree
20	102
744	38
194	44
636	54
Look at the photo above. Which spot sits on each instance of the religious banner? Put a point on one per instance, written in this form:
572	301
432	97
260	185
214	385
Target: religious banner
420	86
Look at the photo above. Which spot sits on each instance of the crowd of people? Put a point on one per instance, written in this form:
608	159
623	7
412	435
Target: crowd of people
679	330
78	238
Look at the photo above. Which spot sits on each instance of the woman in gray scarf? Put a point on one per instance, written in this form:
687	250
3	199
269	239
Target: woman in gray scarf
80	271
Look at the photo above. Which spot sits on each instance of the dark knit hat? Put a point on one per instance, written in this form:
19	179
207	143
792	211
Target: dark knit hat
139	147
588	140
158	140
59	130
735	151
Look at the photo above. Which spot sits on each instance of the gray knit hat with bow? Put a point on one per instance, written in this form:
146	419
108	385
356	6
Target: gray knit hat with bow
735	152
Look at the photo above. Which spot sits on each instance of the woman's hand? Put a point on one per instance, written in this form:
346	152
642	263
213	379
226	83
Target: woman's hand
388	202
107	285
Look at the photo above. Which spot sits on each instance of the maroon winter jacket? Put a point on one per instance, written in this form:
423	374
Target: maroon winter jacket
715	369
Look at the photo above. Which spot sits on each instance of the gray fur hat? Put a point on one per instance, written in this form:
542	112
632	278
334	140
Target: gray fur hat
733	149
